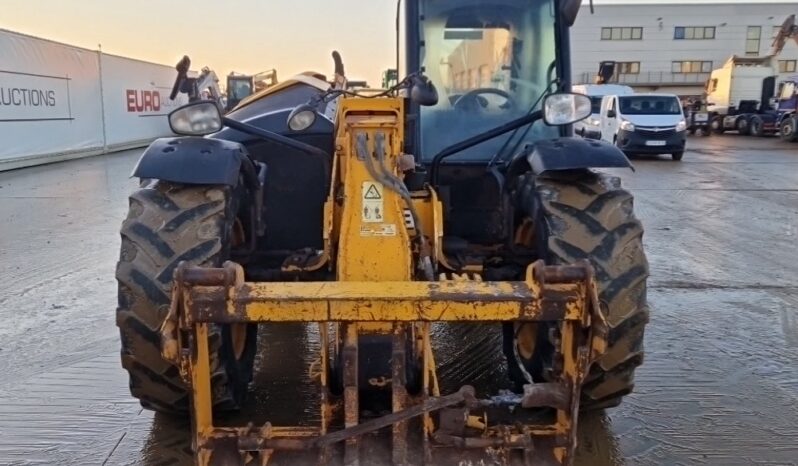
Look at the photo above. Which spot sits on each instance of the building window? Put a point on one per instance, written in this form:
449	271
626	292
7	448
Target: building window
694	32
787	66
691	66
622	33
628	67
752	39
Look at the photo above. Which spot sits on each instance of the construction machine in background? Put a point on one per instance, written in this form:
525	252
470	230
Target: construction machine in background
374	217
742	95
390	78
206	85
606	72
240	86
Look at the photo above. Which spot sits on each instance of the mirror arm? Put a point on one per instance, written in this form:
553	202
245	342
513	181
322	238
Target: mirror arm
478	139
274	137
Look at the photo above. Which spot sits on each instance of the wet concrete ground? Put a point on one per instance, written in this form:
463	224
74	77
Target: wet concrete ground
719	385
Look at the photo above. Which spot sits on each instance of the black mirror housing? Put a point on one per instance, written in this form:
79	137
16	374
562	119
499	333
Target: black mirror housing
423	92
569	9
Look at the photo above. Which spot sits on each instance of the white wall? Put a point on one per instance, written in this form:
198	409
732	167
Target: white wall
658	49
59	102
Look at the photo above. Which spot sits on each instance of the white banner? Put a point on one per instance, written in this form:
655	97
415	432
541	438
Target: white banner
136	96
59	101
49	98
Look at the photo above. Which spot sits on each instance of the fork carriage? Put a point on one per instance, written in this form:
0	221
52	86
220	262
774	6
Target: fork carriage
565	295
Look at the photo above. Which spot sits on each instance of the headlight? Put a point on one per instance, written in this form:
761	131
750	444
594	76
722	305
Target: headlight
681	126
594	121
196	119
302	117
627	125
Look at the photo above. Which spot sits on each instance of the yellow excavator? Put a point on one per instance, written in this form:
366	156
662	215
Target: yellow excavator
455	196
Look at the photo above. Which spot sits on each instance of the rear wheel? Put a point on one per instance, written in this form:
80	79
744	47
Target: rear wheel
167	224
741	125
588	218
676	156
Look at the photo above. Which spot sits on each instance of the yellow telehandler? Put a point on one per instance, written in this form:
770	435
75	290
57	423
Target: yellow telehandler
456	196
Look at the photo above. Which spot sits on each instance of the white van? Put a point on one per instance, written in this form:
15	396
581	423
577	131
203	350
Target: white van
644	124
590	127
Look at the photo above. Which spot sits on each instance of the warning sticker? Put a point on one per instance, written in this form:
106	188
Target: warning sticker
373	211
386	229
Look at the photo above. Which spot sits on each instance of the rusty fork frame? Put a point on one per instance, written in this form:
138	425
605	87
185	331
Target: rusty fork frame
563	294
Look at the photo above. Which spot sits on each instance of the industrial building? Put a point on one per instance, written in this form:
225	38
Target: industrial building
674	47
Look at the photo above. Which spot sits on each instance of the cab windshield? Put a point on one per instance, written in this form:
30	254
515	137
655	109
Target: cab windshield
489	60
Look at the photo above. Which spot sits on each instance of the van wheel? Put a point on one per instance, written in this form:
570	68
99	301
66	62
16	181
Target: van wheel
676	156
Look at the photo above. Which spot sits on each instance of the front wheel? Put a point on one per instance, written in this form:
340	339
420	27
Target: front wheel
588	218
787	130
677	156
167	224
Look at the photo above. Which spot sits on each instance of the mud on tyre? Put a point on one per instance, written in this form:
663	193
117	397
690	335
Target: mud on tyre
166	224
589	217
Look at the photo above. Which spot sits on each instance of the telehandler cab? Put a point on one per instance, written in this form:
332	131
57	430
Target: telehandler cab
457	195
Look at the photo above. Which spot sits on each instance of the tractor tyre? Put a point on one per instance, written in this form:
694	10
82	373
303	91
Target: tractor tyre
742	127
590	217
167	224
787	130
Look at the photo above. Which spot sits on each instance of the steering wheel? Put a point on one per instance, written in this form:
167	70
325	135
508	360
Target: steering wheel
471	100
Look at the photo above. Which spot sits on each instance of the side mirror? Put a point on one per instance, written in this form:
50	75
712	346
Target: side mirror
611	113
565	108
196	119
423	92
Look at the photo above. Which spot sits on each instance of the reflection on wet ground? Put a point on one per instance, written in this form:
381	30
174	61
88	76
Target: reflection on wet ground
719	385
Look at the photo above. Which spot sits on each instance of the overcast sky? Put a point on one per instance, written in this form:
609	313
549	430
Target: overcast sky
242	35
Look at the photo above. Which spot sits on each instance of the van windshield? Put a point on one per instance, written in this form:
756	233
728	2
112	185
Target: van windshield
650	105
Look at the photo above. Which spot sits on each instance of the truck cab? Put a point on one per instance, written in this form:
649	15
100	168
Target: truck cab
644	124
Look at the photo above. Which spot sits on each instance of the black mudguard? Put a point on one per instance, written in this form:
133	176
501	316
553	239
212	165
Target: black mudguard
572	153
192	160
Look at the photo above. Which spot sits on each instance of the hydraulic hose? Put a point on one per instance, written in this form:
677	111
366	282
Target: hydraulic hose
396	185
